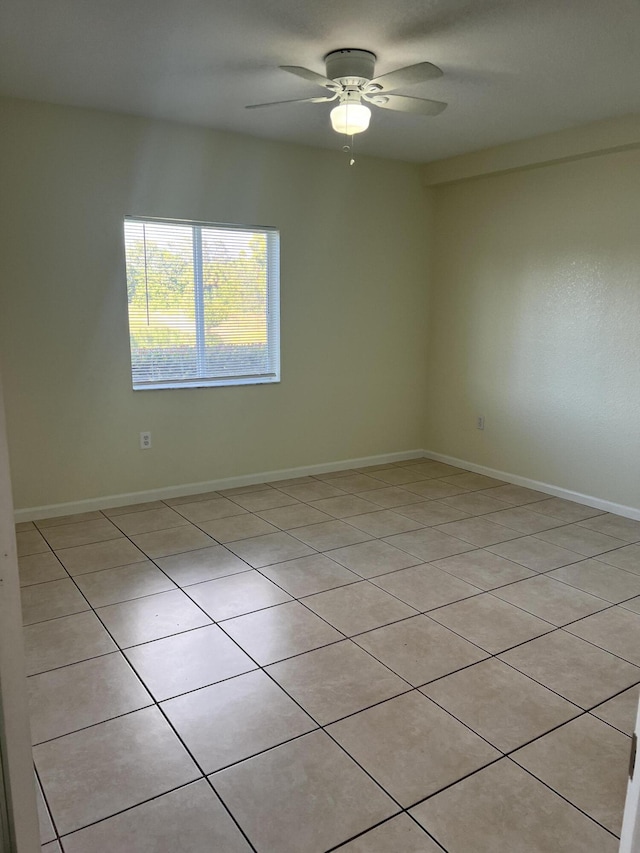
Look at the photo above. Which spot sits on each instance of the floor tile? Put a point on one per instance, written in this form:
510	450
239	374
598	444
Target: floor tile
93	773
429	469
329	535
24	526
76	518
296	515
515	495
144	619
244	490
336	680
180	500
616	630
235	595
207	510
632	604
599	579
586	762
332	475
315	779
483	569
503	808
568	511
183	662
51	600
358	483
473	482
110	586
292	481
428	544
614	525
148	520
273	548
358	607
535	554
425	587
189	818
203	564
398	476
478	531
372	558
430	521
115	511
30	542
307	575
411	747
384	522
398	834
175	540
83	694
40	568
259	501
47	832
52	847
587	542
235	719
475	504
575	669
490	623
101	555
621	711
504	707
237	527
419	649
627	558
429	513
523	520
434	489
392	496
314	491
86	533
551	600
280	632
344	506
63	641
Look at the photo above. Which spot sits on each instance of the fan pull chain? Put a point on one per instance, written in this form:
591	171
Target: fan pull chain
352	159
348	149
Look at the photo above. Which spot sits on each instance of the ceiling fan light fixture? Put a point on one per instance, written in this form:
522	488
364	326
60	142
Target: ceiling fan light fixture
350	118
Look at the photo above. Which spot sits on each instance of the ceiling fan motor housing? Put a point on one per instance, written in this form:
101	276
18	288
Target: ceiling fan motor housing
350	66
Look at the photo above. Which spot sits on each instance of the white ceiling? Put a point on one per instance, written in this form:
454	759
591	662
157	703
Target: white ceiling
512	68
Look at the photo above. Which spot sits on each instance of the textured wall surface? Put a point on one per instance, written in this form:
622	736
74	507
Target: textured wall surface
535	324
353	306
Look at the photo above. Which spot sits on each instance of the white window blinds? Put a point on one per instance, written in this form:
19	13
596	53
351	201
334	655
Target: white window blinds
203	303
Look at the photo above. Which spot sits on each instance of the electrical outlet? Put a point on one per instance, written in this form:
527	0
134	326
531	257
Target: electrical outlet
145	440
480	422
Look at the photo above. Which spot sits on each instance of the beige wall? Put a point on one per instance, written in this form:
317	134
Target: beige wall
354	304
535	324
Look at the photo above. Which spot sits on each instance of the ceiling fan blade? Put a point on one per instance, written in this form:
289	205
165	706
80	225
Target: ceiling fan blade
405	76
308	74
294	101
406	104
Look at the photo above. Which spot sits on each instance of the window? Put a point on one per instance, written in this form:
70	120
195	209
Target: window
203	303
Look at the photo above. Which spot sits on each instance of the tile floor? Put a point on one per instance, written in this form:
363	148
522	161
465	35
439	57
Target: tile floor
406	658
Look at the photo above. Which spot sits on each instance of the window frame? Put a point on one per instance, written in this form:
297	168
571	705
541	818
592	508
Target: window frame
272	236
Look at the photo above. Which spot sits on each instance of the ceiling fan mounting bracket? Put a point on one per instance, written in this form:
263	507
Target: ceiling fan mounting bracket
350	66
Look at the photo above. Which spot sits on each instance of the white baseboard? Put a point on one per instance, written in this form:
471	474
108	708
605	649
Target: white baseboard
105	502
547	488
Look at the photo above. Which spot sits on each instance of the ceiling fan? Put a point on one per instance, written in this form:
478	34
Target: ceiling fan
350	79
